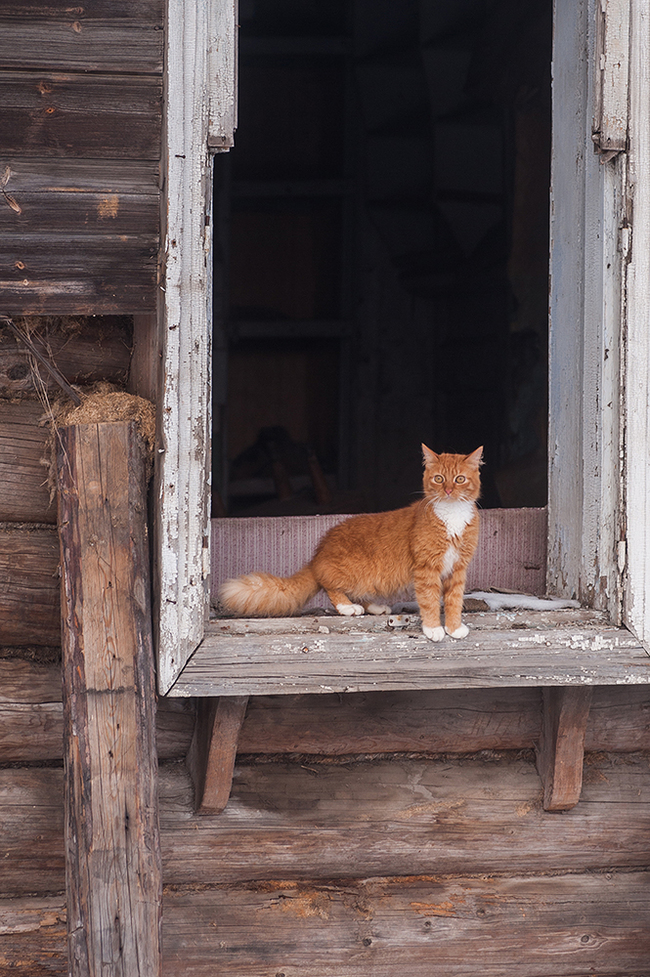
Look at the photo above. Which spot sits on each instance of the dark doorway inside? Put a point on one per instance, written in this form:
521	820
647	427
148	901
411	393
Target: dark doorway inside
381	258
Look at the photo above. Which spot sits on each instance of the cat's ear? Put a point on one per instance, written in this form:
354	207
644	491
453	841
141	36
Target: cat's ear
428	455
476	458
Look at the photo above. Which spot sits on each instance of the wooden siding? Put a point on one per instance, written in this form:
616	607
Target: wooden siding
81	90
358	868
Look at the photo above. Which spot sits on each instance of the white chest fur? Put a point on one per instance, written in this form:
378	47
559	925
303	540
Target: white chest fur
455	514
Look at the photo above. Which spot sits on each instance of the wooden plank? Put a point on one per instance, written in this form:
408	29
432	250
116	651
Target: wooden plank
435	721
635	247
117	37
29	586
307	819
33	936
211	758
86	213
31	716
563	926
426	927
81	115
183	492
560	753
90	274
112	844
587	270
24	492
358	660
84	350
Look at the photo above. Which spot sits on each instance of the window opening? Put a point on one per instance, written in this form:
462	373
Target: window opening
382	261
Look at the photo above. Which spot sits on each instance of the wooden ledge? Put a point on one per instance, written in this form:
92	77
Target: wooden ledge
314	655
566	653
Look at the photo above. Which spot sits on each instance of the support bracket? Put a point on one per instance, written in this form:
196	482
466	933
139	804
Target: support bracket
211	757
560	752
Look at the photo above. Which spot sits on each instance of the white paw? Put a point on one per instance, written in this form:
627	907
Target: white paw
460	632
379	609
350	610
433	634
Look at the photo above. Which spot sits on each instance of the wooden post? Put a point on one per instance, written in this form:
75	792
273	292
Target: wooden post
113	864
212	753
561	749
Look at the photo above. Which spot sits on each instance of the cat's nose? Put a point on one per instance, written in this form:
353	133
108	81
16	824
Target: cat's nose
448	491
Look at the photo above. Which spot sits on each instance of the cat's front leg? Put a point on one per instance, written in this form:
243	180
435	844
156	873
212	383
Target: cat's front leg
427	594
453	588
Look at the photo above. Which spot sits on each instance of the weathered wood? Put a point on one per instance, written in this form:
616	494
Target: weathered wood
98	234
182	539
112	214
31	716
29	586
211	758
560	753
562	926
33	937
265	661
89	274
426	927
94	37
434	721
24	492
81	115
112	844
96	348
144	373
346	820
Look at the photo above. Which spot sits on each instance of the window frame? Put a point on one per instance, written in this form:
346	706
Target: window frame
599	348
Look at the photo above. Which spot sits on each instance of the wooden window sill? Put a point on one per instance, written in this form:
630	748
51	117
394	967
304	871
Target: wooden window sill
566	652
320	654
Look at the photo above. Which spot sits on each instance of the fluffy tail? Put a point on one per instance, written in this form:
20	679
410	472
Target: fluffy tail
263	595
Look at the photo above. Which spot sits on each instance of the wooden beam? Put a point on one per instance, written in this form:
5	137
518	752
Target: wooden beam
211	758
560	753
112	843
29	586
287	656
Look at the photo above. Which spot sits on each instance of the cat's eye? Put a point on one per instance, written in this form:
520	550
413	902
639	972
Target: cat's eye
460	478
438	478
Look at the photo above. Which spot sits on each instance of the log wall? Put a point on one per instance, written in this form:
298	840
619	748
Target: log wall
365	833
81	90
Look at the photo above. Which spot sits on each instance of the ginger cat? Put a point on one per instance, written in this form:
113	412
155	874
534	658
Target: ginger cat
373	557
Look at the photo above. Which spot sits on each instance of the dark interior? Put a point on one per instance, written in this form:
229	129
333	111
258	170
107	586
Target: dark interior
381	253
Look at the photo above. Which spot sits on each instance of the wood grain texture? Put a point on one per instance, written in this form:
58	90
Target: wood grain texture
560	753
182	504
263	660
81	115
112	845
435	721
211	758
307	820
637	338
562	926
90	274
24	492
29	586
98	349
31	716
98	36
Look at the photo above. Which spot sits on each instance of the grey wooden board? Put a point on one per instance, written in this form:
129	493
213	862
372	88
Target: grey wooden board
265	657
